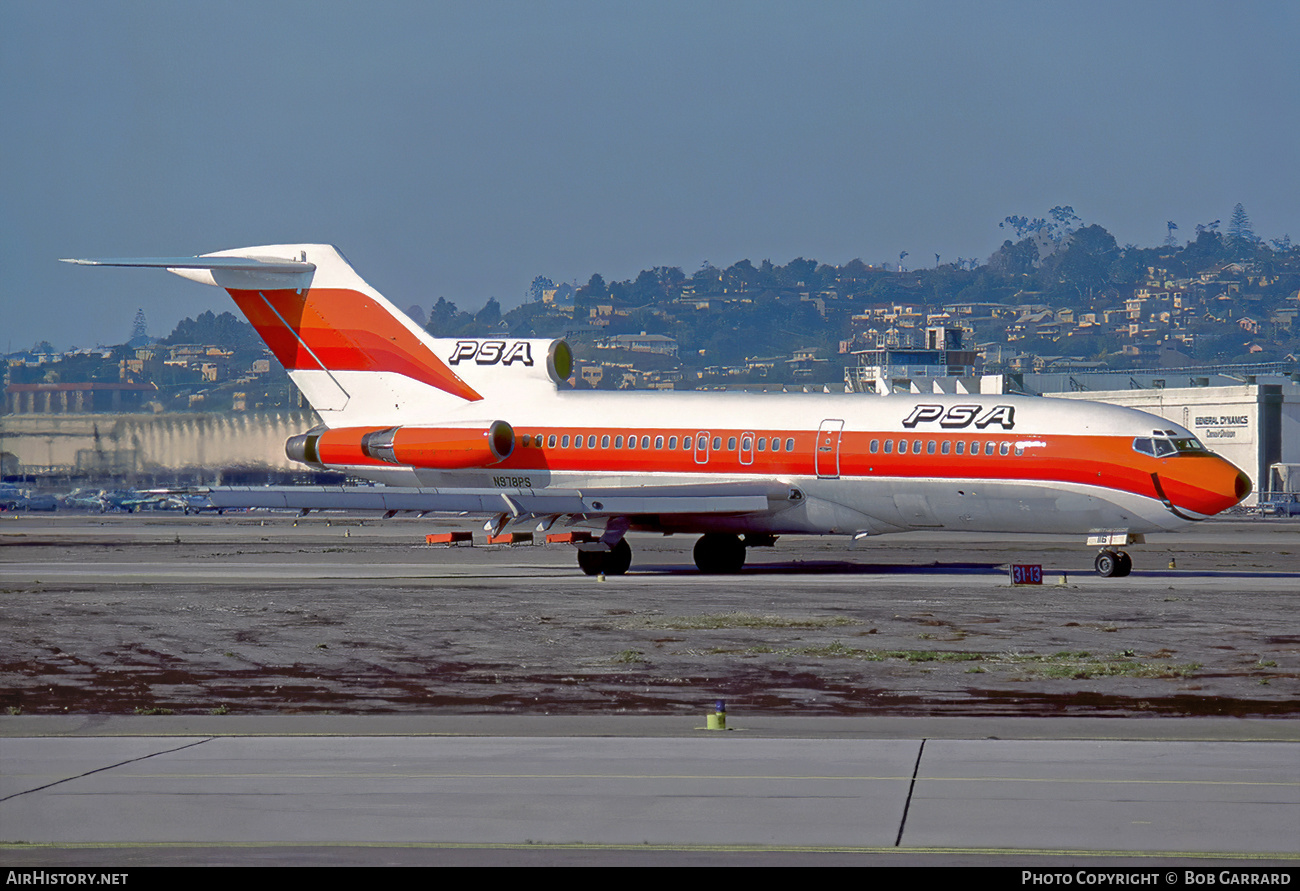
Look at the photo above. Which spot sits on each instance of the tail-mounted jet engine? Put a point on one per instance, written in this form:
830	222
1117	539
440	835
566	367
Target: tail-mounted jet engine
450	447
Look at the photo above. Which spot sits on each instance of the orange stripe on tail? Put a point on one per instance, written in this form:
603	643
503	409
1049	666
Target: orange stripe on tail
339	329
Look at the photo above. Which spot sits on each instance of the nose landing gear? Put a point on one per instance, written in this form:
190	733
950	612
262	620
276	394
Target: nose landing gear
1111	563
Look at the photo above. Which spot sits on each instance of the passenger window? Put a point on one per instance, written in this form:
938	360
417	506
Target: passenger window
789	445
604	441
731	442
631	442
946	447
762	443
929	447
564	443
961	447
659	442
875	446
902	447
889	446
672	442
645	442
618	442
747	444
717	443
550	443
591	441
1005	449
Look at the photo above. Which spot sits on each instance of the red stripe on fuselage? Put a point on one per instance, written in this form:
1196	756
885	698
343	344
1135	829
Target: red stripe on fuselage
338	329
1204	483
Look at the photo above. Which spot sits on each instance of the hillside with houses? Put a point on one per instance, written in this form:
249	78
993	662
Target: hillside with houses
1058	295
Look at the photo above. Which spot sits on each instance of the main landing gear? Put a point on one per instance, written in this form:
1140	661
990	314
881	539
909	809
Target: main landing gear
615	561
719	553
1111	563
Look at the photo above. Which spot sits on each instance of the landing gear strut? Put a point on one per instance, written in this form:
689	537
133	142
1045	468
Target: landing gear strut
719	553
1113	564
615	561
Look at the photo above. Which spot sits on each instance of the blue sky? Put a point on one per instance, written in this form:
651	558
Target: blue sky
458	149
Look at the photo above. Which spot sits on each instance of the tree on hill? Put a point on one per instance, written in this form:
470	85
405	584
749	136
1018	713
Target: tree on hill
445	320
1019	258
1082	267
540	284
1208	250
1241	236
225	330
488	319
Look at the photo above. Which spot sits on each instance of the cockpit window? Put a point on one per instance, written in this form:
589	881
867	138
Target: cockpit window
1160	447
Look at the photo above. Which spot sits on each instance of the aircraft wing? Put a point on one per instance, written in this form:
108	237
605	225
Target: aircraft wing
715	499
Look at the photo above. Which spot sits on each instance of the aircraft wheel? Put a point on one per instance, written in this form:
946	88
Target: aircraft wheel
1107	564
1125	564
719	553
619	559
591	562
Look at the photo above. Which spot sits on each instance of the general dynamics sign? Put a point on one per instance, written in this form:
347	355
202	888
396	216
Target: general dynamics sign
1233	424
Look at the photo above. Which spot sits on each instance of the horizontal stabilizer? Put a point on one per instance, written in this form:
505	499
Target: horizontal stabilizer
242	264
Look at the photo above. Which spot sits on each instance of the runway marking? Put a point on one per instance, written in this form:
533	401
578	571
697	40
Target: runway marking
668	776
1122	782
485	776
198	742
737	849
911	788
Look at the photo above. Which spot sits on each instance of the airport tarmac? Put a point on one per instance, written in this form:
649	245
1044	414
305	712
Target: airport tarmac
231	677
499	790
256	615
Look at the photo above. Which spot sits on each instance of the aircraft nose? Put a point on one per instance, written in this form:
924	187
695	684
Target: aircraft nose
1205	485
1243	486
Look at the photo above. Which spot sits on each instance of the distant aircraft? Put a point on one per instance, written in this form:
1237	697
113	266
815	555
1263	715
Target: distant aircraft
480	425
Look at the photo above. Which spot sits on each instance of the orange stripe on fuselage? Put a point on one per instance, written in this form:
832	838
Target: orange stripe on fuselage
1200	482
344	330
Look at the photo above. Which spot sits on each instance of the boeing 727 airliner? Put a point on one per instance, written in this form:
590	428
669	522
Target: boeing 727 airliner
482	426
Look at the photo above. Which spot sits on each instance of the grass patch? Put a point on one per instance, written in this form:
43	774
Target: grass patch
629	657
1063	665
1082	665
834	650
738	620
